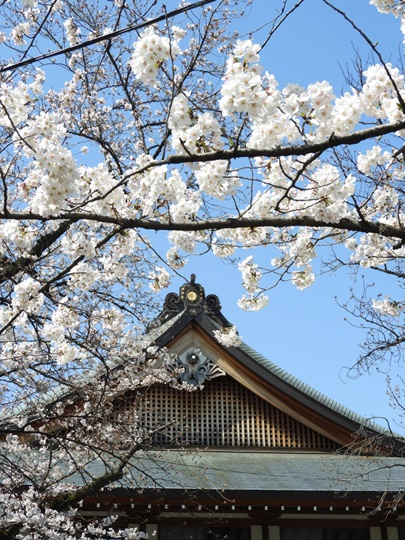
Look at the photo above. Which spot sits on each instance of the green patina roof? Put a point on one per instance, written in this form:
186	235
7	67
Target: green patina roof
257	471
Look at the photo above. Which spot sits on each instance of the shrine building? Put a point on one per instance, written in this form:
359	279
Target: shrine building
251	452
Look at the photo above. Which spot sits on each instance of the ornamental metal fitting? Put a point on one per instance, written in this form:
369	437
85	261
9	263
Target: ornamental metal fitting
192	299
194	368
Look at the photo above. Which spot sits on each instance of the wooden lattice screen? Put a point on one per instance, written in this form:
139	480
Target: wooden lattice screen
223	413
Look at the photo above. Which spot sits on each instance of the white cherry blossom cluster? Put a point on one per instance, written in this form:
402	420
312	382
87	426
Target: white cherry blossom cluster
72	32
159	279
303	278
379	96
180	113
320	96
16	234
228	336
16	104
372	158
222	248
151	51
346	113
175	259
385	201
215	179
80	244
162	193
65	321
242	90
100	186
62	318
386	306
186	241
271	123
54	174
299	249
251	274
373	250
202	136
26	297
20	32
253	302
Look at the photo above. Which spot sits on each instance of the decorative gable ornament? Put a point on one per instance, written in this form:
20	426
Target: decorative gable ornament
191	299
195	368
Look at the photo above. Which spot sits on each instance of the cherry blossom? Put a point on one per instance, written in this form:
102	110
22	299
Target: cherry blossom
228	337
387	307
150	51
109	145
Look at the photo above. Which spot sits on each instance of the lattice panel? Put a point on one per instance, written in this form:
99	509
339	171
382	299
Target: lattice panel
223	413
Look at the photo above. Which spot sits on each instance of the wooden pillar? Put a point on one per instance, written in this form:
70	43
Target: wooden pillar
392	533
274	532
152	531
375	533
256	532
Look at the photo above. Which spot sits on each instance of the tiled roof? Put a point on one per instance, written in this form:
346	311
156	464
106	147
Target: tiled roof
258	471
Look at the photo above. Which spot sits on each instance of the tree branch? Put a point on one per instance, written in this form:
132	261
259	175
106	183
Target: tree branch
9	269
364	226
105	37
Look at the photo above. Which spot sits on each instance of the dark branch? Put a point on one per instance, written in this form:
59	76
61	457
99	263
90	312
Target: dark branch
105	37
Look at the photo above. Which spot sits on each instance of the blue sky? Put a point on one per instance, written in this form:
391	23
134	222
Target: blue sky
304	331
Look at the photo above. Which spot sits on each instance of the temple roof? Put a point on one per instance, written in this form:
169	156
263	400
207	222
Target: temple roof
188	322
271	472
193	312
192	308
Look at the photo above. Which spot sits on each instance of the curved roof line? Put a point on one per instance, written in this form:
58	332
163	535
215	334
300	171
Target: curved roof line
191	304
310	391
